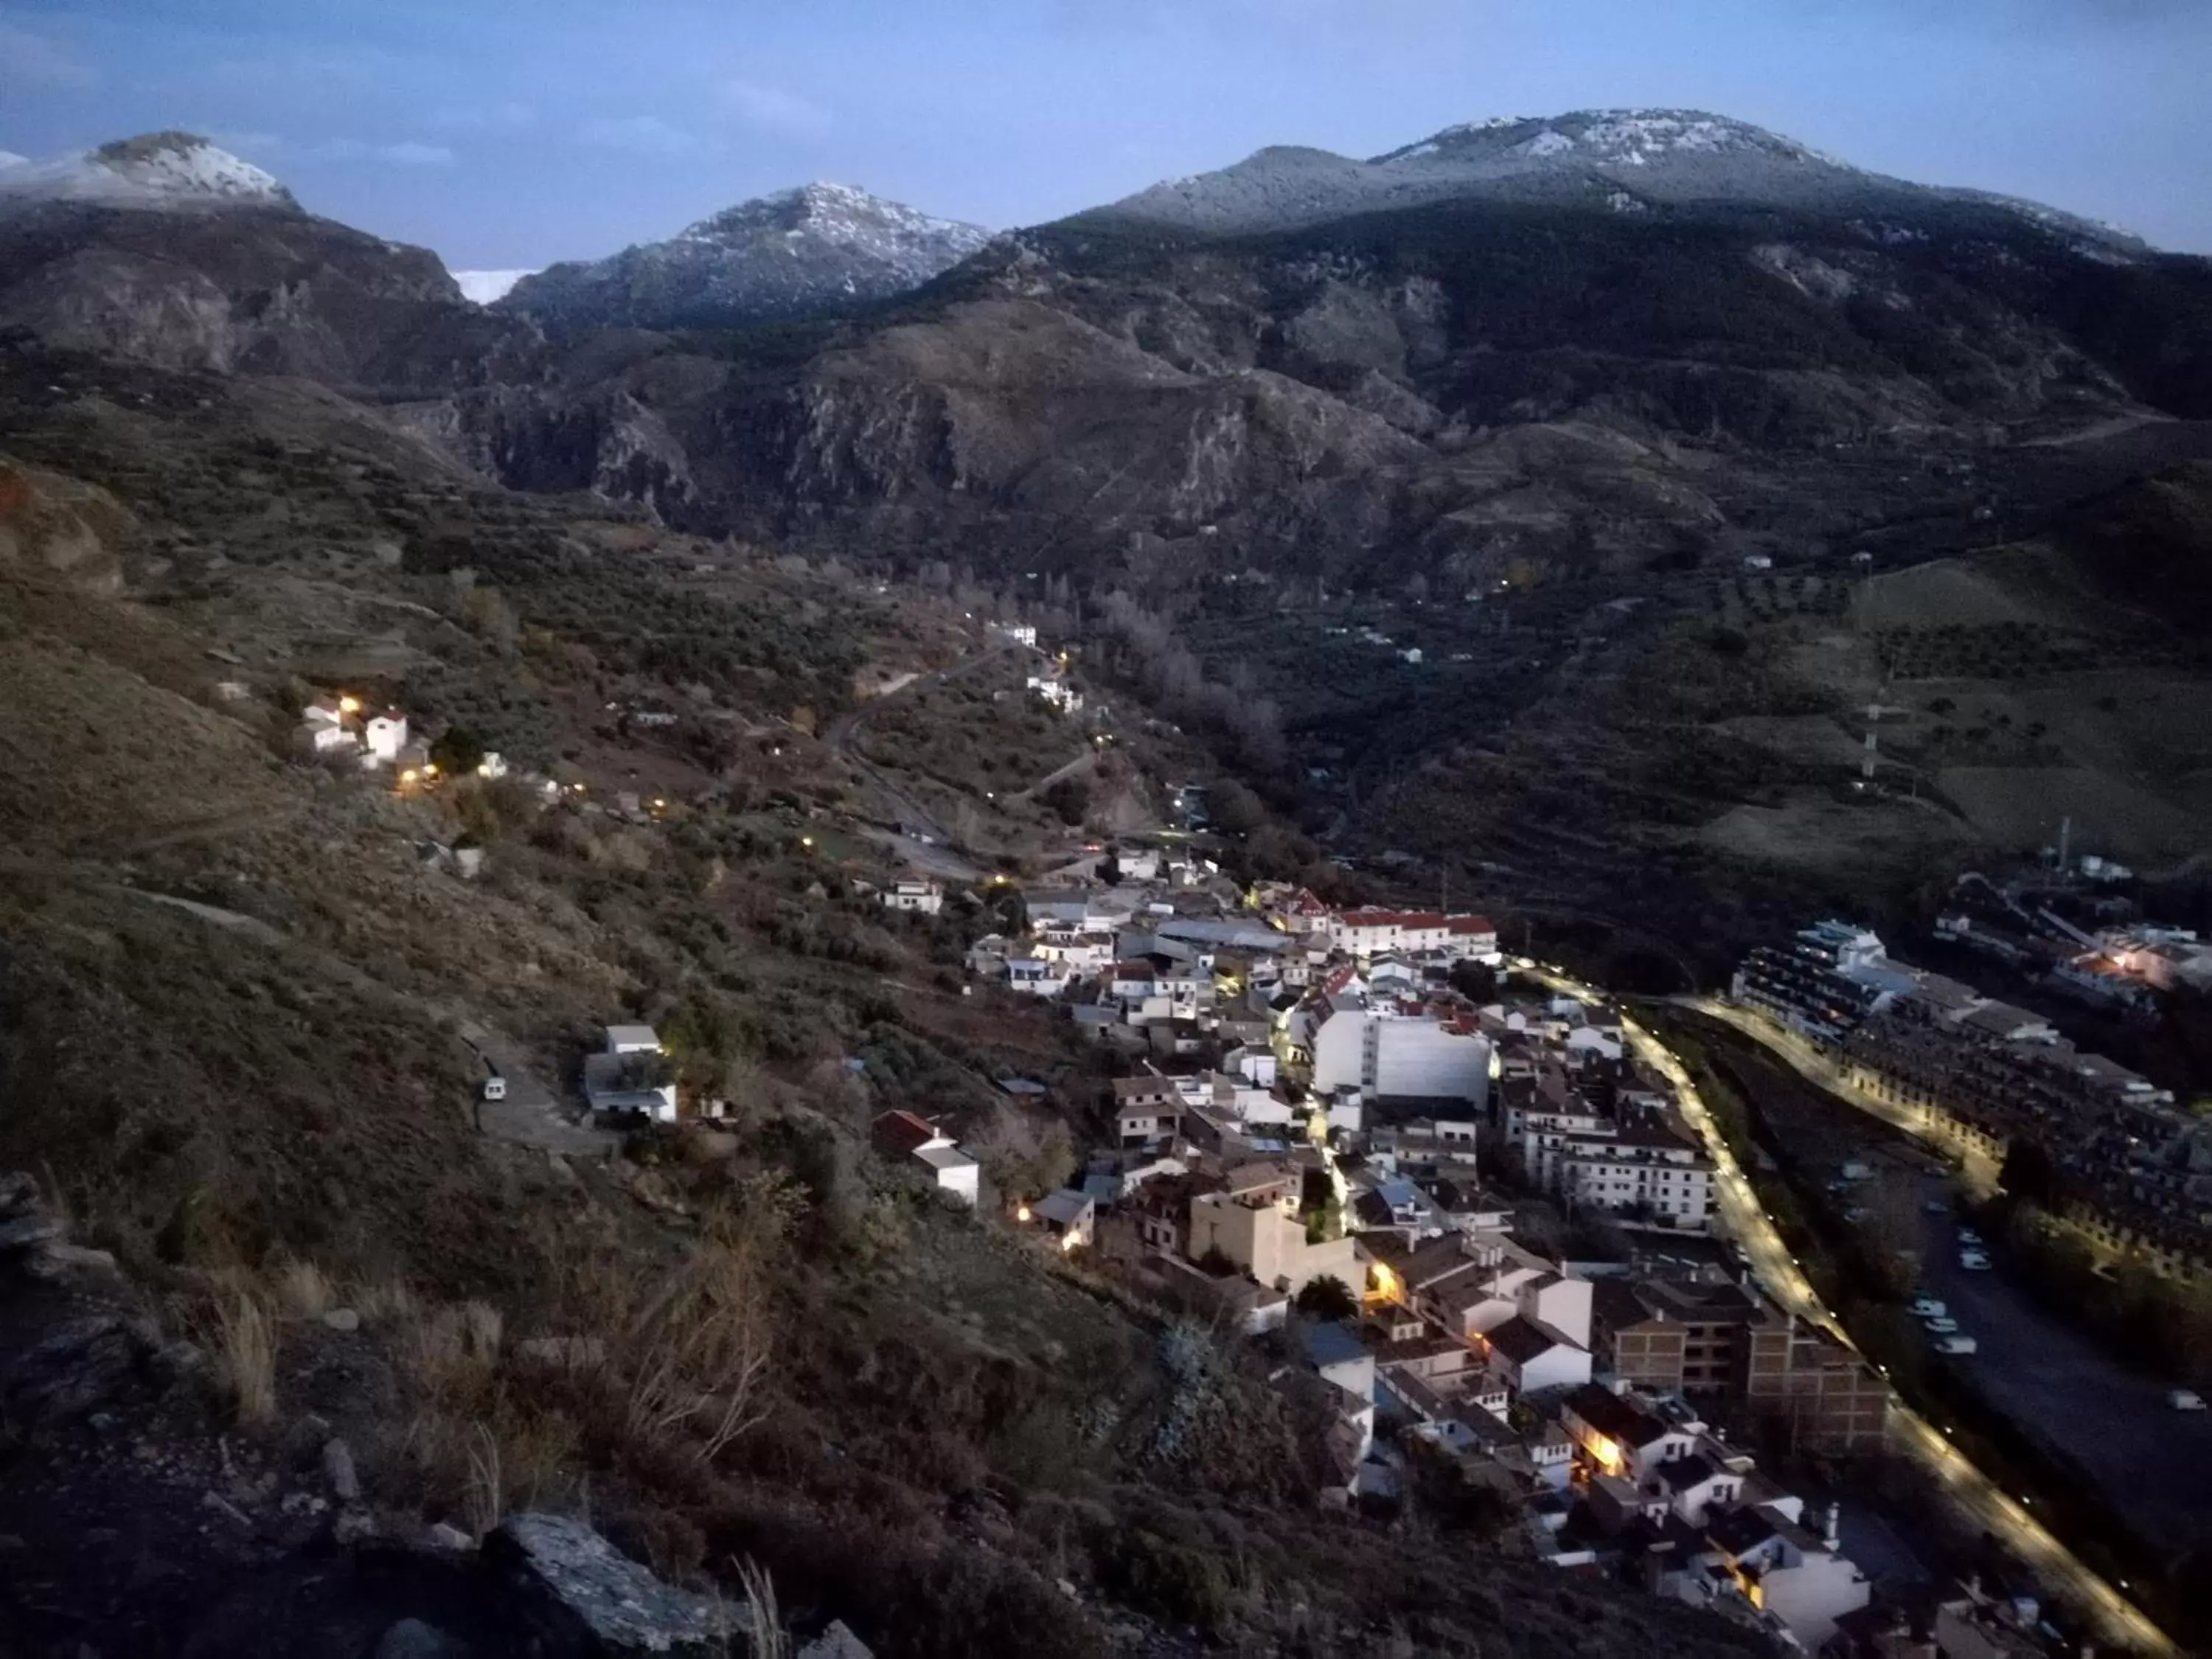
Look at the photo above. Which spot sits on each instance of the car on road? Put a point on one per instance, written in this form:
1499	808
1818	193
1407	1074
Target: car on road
2185	1400
1969	1236
1954	1345
1974	1262
1937	1207
494	1087
1927	1307
1941	1324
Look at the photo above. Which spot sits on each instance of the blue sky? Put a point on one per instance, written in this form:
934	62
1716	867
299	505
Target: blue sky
514	133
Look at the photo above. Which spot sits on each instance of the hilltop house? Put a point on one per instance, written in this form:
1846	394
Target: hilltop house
902	1135
922	897
631	1077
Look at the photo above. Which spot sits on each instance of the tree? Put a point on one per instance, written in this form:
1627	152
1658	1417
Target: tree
1069	799
2026	1175
457	752
1328	1298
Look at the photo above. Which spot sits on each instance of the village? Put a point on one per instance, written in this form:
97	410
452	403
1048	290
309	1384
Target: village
1328	1123
1463	1210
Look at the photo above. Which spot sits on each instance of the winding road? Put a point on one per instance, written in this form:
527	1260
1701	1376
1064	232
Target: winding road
1972	1494
842	738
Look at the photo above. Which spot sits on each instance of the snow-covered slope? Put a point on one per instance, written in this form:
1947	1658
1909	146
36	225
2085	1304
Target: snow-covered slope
1628	160
174	170
819	246
484	286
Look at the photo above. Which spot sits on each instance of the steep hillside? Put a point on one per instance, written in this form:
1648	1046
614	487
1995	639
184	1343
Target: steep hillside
251	1000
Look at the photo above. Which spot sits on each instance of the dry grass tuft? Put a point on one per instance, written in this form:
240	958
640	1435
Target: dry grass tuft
246	1354
454	1351
384	1301
761	1623
305	1289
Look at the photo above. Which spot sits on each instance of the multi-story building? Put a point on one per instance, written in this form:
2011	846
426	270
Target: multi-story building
1399	1049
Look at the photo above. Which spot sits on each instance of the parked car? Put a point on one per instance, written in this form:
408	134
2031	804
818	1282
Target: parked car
1937	1207
1968	1235
1927	1307
1954	1345
2185	1400
1974	1262
494	1087
1941	1324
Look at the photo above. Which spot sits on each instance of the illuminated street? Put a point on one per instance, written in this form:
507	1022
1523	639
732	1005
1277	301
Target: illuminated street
1973	1496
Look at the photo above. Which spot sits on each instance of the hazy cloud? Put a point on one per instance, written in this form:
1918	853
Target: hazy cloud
33	60
637	135
773	109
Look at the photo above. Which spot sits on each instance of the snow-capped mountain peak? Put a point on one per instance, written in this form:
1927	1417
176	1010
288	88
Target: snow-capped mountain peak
812	246
177	170
1615	160
1628	137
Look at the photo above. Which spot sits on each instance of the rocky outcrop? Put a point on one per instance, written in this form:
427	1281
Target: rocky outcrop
62	528
581	1598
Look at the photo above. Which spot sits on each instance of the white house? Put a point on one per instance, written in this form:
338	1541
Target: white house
385	735
1067	1214
956	1172
1032	977
628	1078
923	898
1058	693
633	1040
1343	1362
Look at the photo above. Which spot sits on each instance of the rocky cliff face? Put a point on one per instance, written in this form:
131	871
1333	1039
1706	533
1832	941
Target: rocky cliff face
821	247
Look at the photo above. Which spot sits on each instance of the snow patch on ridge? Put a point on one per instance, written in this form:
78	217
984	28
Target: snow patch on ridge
483	287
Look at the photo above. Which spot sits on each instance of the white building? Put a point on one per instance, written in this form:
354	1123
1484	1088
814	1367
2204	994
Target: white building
1033	977
1058	693
385	735
955	1171
1368	933
1382	1052
629	1077
922	897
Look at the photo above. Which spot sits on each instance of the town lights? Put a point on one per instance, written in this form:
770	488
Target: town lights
409	775
348	705
807	842
1022	1213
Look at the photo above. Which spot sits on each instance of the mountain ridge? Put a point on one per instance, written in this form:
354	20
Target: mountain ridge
1625	160
813	247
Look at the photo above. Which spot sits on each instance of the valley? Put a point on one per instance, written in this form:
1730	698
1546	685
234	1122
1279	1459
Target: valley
896	745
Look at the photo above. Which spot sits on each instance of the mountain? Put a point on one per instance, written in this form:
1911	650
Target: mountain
172	170
820	247
169	250
1622	161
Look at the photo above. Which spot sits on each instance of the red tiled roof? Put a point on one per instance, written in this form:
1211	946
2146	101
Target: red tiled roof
903	1131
